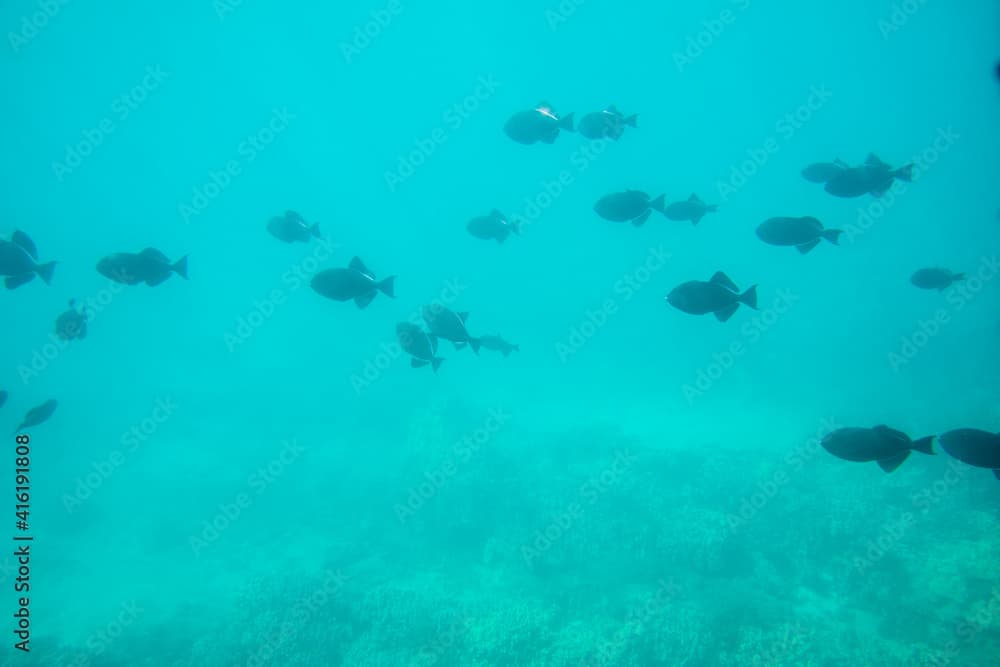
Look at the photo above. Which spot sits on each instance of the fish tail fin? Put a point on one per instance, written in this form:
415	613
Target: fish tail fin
924	445
180	267
436	363
749	298
659	204
314	230
474	344
566	123
45	272
832	235
905	173
387	286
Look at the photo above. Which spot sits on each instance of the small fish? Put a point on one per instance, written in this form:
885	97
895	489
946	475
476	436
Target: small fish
3	397
939	279
498	344
292	227
148	266
494	226
874	177
449	325
694	209
888	447
720	296
803	233
610	124
974	447
540	124
421	346
821	172
629	206
355	282
19	262
72	325
37	415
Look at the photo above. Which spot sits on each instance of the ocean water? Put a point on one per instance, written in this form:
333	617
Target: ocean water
242	472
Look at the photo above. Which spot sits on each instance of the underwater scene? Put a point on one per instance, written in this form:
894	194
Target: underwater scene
532	334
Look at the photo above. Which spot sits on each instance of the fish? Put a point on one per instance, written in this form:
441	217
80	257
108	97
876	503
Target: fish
694	209
607	124
72	325
821	172
540	124
886	446
719	296
494	226
148	266
19	262
874	177
498	344
3	397
803	233
939	279
449	325
421	346
974	447
292	227
629	206
38	415
355	282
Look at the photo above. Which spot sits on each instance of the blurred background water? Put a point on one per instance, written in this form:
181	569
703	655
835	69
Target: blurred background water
241	472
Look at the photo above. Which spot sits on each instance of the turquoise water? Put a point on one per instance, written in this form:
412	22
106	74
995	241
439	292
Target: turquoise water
241	472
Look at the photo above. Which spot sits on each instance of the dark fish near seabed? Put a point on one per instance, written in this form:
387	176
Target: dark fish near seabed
3	397
874	177
629	206
974	447
821	172
498	344
355	282
37	415
694	209
494	226
449	325
887	447
939	279
540	124
607	124
72	325
720	296
292	227
803	233
421	346
19	261
148	266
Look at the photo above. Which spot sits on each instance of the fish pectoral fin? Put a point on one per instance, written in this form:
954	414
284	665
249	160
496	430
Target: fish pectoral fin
363	300
725	313
893	462
806	247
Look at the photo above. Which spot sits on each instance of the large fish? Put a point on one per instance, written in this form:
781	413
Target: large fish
37	415
494	226
720	296
887	447
821	172
629	206
803	233
421	346
974	447
540	124
607	124
292	227
939	279
148	266
693	210
355	282
19	262
449	325
874	177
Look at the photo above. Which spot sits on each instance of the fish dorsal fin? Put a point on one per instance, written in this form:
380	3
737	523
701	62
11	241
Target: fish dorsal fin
694	198
496	214
463	316
153	253
612	109
359	266
723	280
891	433
874	161
24	242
